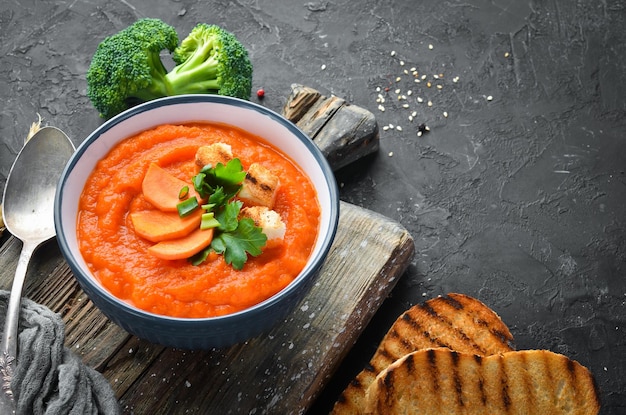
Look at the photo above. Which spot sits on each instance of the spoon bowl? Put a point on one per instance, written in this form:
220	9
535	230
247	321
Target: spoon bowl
28	212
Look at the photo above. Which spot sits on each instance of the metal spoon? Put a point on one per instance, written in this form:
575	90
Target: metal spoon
28	214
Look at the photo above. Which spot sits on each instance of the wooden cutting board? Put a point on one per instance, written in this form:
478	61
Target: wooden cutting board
280	372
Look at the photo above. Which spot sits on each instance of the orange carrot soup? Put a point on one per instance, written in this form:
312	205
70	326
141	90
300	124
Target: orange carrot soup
133	242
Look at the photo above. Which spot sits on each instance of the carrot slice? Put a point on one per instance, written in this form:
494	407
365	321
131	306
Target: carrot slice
156	226
162	189
184	247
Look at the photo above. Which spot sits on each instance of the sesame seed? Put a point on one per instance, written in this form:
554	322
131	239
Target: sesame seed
401	63
377	89
411	118
414	114
506	54
393	53
430	47
381	108
409	92
391	126
430	103
439	86
413	69
420	100
417	81
406	72
455	79
323	67
398	79
397	91
405	106
423	77
419	133
428	84
399	128
391	154
489	98
436	76
445	114
385	127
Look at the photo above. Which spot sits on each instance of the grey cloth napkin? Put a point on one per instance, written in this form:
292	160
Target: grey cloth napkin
49	379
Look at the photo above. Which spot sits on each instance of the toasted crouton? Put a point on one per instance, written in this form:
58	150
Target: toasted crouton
259	187
269	220
213	154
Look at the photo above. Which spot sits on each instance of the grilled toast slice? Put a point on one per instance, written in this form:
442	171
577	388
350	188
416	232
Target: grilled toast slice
455	321
436	381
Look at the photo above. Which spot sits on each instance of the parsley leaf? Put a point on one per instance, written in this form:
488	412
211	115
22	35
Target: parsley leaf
234	238
237	244
225	179
227	217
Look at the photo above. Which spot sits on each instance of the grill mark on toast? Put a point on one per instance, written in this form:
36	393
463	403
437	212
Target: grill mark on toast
453	302
504	380
575	381
528	387
481	383
484	317
458	385
419	328
458	331
432	363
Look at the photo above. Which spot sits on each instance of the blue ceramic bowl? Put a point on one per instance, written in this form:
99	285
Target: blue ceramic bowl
196	333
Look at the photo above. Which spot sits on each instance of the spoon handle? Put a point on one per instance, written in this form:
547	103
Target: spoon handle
8	344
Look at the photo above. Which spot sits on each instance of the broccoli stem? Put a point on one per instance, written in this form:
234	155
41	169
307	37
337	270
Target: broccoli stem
199	73
160	86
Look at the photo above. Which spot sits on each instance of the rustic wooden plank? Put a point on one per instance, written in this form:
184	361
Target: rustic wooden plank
342	131
281	371
300	100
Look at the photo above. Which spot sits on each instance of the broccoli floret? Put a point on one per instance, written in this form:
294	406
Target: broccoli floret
127	69
211	60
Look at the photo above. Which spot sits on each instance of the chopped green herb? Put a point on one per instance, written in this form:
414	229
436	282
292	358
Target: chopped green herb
184	192
209	221
186	207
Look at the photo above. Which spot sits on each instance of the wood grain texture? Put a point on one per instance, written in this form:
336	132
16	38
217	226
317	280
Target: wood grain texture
342	131
278	372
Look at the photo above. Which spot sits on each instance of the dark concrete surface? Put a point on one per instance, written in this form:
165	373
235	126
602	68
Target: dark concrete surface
516	197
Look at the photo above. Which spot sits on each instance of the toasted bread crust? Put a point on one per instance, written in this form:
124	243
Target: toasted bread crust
435	381
456	321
